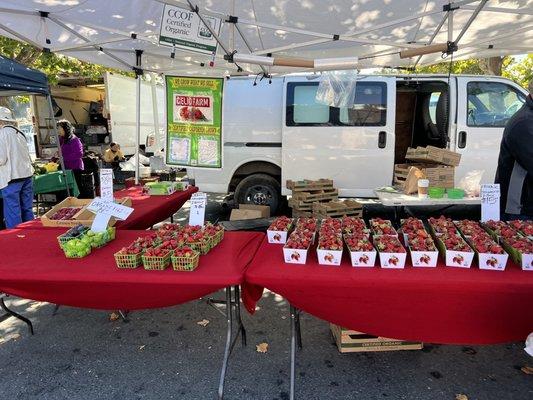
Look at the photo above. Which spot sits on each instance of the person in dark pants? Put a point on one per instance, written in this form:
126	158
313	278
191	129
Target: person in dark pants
16	172
515	164
71	149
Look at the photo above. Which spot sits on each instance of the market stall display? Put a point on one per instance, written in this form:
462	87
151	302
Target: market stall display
278	230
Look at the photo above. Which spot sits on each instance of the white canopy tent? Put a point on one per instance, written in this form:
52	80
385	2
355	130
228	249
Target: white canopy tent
123	34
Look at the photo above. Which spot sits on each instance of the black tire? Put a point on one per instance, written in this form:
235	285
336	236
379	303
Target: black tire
260	189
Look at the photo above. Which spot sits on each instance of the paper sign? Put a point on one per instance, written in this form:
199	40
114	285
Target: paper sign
106	184
197	211
100	206
490	202
182	28
100	222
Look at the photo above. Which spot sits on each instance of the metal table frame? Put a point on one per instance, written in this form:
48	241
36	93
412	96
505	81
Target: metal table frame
296	339
10	313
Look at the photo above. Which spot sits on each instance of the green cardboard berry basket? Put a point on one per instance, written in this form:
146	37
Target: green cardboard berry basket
62	239
203	247
75	255
185	263
124	260
153	263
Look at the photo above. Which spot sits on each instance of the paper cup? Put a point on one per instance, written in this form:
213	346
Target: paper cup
423	185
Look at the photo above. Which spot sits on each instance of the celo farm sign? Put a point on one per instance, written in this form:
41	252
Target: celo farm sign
182	28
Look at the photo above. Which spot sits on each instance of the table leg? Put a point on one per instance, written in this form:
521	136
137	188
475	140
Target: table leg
241	328
227	350
298	329
124	315
11	313
293	351
172	219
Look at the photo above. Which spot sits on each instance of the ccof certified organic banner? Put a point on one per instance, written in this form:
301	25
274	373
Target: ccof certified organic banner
183	28
194	121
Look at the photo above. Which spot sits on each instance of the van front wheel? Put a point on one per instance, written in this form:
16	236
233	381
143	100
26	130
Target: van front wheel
259	189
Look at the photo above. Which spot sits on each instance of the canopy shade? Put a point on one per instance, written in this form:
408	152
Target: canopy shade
16	78
100	31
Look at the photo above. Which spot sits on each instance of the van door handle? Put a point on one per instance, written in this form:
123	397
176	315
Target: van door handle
382	139
461	140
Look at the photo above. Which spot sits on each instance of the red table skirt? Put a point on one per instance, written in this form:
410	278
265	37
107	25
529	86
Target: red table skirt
438	305
32	266
147	210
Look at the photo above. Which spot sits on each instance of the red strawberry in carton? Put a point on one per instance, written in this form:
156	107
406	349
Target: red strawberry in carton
391	252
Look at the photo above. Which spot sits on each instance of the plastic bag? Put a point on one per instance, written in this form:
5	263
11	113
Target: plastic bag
529	345
337	88
471	183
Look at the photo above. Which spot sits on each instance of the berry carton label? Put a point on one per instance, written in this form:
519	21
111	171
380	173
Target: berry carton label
527	262
294	256
392	260
329	257
424	258
363	258
277	237
492	262
461	259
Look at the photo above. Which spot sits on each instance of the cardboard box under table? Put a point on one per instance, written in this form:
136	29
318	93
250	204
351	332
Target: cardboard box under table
349	341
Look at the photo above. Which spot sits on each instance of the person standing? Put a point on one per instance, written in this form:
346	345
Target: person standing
16	172
515	164
71	149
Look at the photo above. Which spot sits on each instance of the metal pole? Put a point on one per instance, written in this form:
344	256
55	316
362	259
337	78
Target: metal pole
56	136
227	349
155	110
293	351
138	73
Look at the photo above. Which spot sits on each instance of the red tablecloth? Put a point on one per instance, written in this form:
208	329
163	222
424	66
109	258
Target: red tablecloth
438	305
32	266
148	210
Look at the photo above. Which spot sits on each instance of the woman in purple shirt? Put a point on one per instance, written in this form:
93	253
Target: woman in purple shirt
71	148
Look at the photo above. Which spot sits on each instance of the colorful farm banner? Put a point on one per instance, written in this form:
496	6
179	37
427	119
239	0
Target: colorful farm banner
194	121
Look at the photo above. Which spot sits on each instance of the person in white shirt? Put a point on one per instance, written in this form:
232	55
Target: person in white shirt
16	172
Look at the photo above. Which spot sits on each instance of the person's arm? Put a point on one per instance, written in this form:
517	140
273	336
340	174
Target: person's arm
77	148
3	149
520	144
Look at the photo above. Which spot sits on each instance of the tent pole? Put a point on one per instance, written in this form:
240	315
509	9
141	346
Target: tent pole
155	111
56	136
138	74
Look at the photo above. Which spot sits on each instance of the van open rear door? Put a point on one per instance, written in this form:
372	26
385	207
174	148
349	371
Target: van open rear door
354	147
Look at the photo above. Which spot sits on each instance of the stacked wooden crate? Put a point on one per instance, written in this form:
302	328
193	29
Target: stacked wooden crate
307	192
319	199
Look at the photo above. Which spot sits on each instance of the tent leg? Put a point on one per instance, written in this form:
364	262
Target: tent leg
138	74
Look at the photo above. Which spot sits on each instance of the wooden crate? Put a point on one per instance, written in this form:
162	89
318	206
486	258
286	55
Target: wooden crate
308	185
349	341
337	209
301	214
439	176
316	195
433	154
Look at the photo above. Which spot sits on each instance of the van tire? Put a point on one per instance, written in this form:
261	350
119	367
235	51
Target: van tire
260	189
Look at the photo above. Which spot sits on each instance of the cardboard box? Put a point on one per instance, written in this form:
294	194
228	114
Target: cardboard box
265	210
295	256
438	176
277	237
237	214
349	341
329	257
492	262
424	258
363	258
460	259
434	155
392	260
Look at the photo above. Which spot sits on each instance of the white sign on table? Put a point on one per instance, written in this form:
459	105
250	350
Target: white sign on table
182	28
490	202
197	211
106	184
104	210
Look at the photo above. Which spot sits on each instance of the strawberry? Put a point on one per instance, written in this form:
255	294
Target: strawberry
454	242
382	227
280	224
358	242
443	225
388	244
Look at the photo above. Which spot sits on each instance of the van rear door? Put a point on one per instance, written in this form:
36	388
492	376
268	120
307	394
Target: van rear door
484	107
354	147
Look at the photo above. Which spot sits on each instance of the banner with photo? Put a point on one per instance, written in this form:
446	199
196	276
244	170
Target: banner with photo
194	121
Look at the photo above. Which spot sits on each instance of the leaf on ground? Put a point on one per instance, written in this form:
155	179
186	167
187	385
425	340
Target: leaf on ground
142	347
203	322
461	397
113	316
527	370
261	347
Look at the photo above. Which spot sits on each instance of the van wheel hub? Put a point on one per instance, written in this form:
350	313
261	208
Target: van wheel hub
259	195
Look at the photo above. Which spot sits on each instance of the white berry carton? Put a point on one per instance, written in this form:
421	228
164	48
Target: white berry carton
363	258
295	256
461	259
329	257
526	262
277	237
424	258
392	260
492	262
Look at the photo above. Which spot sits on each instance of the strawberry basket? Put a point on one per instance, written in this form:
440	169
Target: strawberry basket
73	233
202	246
157	261
183	262
125	260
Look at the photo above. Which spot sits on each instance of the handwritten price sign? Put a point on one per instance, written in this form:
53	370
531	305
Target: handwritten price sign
490	202
197	211
106	184
104	210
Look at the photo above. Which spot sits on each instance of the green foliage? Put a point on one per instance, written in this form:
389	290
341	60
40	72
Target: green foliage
470	66
53	65
520	70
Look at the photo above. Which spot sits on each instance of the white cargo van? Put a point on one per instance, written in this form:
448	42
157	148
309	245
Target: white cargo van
274	132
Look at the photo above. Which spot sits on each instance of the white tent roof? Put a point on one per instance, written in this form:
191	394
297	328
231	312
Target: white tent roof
100	31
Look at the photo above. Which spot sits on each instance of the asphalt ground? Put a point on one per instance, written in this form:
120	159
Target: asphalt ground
165	354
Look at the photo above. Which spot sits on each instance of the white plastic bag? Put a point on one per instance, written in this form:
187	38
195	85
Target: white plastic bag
471	183
337	88
529	345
